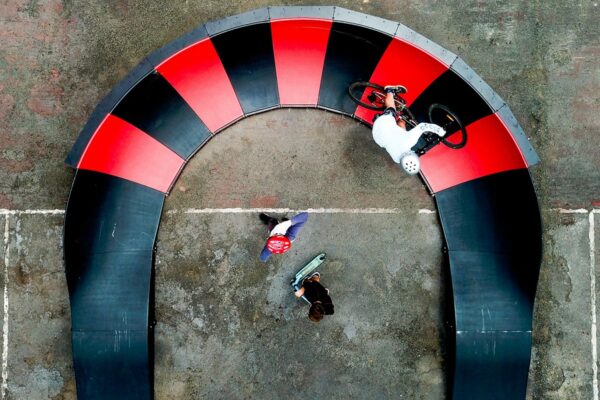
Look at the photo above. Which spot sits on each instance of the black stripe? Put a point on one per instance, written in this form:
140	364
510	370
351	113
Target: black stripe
352	55
156	108
112	291
110	230
113	365
107	214
492	227
247	55
501	285
491	365
452	91
496	213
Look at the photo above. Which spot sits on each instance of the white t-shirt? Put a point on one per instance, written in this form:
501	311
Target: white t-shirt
394	139
281	228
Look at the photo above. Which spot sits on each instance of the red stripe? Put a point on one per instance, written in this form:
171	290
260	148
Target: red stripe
490	149
407	65
299	47
200	78
120	149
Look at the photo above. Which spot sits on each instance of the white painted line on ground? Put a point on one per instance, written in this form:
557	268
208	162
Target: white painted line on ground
293	210
593	301
5	321
4	211
571	210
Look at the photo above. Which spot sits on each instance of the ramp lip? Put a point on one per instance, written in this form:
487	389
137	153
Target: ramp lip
191	38
260	15
301	12
344	15
414	38
510	121
477	83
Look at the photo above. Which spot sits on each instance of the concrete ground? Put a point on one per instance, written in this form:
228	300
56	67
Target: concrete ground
228	327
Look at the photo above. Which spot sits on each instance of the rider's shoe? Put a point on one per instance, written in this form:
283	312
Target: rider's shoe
264	218
396	89
314	275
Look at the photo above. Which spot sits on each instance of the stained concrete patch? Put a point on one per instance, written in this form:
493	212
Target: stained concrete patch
3	282
39	339
596	257
562	358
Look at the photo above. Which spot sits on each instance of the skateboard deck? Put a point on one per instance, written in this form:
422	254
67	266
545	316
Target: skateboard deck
307	270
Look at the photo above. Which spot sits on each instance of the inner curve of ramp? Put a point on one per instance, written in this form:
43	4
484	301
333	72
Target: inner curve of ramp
142	134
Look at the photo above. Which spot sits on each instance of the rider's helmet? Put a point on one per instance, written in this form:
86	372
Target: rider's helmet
410	163
278	244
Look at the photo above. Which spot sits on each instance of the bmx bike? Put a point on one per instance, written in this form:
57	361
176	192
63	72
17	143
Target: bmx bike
372	96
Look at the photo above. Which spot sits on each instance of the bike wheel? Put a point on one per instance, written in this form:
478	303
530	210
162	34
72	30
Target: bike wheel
375	95
442	116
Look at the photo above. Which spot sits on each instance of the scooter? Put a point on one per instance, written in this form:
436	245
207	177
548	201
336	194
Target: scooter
306	271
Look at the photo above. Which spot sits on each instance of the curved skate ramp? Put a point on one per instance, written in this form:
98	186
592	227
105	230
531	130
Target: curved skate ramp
141	135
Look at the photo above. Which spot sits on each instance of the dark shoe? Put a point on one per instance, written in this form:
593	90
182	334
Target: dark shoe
268	220
264	218
396	89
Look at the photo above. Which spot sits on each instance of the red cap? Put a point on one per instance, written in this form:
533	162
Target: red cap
278	244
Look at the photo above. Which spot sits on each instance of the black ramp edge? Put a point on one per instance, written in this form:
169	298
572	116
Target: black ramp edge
492	227
518	134
366	20
491	365
247	55
493	291
110	230
112	291
192	37
113	365
352	55
157	109
85	135
237	21
408	35
497	213
107	214
455	93
467	73
324	12
104	108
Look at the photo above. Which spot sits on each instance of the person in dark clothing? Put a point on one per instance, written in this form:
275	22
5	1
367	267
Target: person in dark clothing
318	296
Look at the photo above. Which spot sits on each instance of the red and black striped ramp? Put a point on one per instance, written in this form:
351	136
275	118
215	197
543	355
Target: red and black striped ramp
141	135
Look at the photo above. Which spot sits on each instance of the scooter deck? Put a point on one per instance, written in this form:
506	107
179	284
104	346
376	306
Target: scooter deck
306	270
